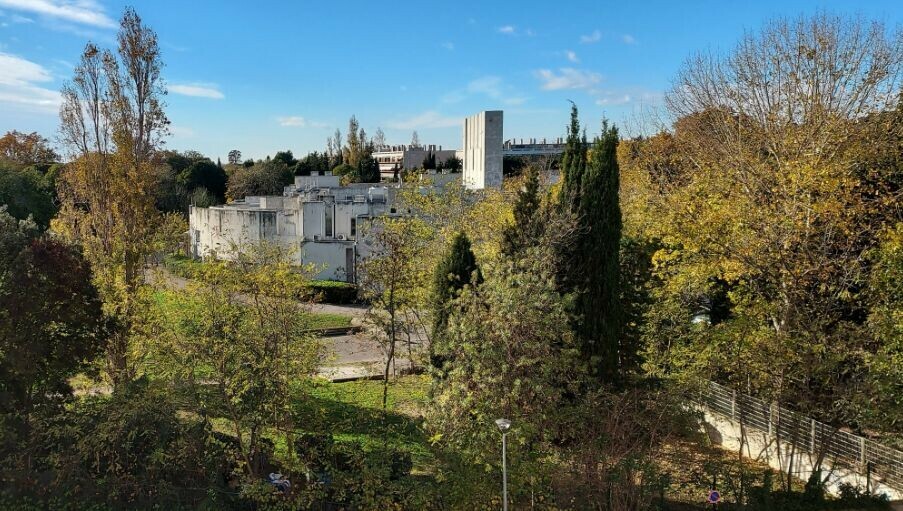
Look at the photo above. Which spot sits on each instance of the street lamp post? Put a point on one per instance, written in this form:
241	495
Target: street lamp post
504	425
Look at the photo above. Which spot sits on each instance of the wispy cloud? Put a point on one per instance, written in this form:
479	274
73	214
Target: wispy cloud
490	86
594	37
623	97
507	30
296	121
628	39
19	79
197	90
428	119
448	45
567	78
86	12
571	56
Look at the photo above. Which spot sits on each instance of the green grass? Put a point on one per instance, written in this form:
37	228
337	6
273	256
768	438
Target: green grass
327	291
317	320
352	412
320	320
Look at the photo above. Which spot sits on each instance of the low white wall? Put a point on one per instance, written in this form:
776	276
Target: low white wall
761	446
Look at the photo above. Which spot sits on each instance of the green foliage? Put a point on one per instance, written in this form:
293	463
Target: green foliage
313	162
455	271
592	270
528	223
25	192
204	174
262	178
368	169
286	158
51	328
453	164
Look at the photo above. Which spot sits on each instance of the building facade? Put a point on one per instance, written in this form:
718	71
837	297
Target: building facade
315	217
483	150
393	159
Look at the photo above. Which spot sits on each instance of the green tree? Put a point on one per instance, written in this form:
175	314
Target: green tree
51	328
25	192
573	162
204	174
368	168
112	123
457	269
528	224
262	178
598	257
286	158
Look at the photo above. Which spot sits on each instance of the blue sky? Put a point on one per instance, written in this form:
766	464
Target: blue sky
266	76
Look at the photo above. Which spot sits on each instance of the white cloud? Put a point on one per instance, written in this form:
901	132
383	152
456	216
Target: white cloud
628	39
489	85
181	131
613	99
296	121
572	56
428	119
507	30
448	45
197	90
567	78
595	37
18	84
86	12
530	32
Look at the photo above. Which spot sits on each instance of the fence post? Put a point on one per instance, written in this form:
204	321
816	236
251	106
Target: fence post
862	451
770	417
734	404
811	436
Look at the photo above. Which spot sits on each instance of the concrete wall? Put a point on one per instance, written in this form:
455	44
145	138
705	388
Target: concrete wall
483	150
761	446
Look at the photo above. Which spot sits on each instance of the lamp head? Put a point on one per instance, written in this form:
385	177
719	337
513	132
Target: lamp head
503	424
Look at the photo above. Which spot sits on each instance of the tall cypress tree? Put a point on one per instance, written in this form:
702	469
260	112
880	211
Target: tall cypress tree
457	269
527	225
591	264
600	213
573	162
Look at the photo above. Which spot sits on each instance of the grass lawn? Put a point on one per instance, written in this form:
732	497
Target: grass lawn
352	412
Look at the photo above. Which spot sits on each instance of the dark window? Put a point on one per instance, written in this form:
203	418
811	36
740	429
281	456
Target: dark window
353	227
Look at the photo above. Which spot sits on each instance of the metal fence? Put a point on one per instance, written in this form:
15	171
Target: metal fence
818	439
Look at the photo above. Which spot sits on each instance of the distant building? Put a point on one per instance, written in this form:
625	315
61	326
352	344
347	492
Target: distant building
318	218
483	150
393	159
533	147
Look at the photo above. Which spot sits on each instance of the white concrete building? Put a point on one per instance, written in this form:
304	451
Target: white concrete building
395	158
483	150
316	217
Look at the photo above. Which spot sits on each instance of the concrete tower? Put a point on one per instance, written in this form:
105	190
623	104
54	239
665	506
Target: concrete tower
483	150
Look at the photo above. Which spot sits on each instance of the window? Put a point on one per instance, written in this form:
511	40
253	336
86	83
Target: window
267	224
353	227
328	214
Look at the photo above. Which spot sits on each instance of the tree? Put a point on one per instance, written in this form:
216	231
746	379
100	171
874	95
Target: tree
241	327
573	162
415	139
51	328
590	191
112	124
27	149
379	139
429	161
356	144
528	225
234	157
511	354
286	158
390	280
457	269
599	303
334	147
263	178
25	193
368	168
453	164
778	210
207	175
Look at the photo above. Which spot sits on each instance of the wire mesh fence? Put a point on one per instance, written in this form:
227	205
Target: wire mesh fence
807	434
